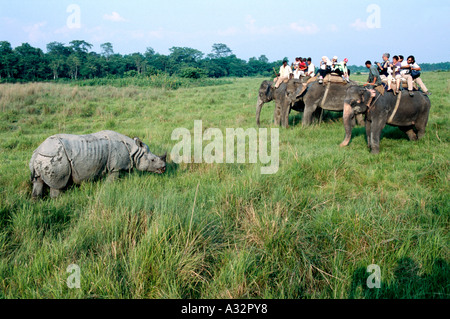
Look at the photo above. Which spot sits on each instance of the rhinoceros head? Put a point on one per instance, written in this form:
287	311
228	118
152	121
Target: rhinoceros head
147	161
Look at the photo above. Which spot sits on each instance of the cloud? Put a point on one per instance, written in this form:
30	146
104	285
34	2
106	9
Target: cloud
359	25
145	34
261	30
333	28
304	27
34	31
114	17
228	32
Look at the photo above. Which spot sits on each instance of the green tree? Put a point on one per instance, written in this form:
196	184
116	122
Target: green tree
220	50
139	62
263	59
91	66
8	60
57	55
78	58
80	46
259	66
192	73
149	52
185	55
107	50
74	63
31	63
182	57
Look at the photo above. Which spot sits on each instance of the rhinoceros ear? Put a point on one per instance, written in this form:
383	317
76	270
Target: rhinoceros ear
139	143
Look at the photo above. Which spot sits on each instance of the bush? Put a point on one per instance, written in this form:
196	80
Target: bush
162	80
131	73
192	73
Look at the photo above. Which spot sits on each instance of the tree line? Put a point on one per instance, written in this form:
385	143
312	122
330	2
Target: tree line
77	61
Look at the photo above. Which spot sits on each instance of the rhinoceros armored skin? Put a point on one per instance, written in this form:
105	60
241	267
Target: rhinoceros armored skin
64	157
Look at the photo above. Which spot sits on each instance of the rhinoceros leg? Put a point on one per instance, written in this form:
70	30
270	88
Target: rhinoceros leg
113	176
54	192
38	188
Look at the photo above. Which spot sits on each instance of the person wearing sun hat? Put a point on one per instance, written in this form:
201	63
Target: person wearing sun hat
341	69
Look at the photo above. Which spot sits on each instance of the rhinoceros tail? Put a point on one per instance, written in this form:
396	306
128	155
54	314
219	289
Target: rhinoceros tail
31	166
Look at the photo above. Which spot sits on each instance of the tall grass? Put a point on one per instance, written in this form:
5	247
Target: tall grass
163	81
223	230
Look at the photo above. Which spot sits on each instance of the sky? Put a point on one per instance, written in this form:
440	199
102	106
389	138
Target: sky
359	30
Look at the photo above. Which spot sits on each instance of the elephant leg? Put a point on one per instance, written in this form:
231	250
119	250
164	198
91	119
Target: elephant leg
360	119
308	114
375	135
54	192
421	125
368	135
410	132
38	188
285	115
277	114
420	132
318	114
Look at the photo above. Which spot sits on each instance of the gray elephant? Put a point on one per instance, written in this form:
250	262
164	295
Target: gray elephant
402	110
267	93
320	96
63	159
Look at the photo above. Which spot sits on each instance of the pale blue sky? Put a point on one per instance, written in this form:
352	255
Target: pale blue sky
346	28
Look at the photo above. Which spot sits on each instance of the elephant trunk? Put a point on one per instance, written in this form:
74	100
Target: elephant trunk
348	117
259	105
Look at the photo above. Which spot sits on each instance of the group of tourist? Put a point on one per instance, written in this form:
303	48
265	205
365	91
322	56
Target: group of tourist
387	72
333	66
305	67
396	71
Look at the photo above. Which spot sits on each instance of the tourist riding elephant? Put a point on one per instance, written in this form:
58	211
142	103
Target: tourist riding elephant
400	110
267	93
316	97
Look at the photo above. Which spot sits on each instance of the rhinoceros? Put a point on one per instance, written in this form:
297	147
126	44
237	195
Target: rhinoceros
65	158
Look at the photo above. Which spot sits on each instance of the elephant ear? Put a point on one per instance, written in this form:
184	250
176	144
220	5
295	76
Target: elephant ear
270	88
301	90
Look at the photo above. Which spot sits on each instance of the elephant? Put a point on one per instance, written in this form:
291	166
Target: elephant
401	110
317	97
267	93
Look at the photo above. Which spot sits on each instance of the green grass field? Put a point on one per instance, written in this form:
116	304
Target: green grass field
224	230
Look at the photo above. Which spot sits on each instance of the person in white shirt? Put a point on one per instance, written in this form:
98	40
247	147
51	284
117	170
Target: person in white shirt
285	74
311	68
296	63
406	74
394	74
415	67
334	61
325	68
298	73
